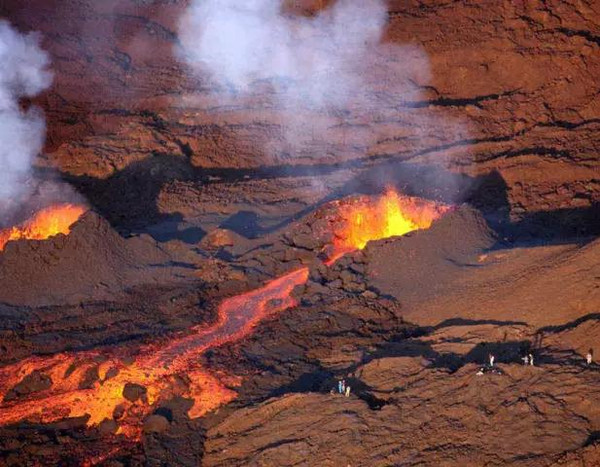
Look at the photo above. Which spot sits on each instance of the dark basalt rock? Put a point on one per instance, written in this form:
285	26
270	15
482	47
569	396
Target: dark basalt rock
34	382
155	424
132	392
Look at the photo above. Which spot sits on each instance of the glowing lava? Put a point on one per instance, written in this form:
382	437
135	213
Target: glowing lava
165	371
173	368
390	215
44	224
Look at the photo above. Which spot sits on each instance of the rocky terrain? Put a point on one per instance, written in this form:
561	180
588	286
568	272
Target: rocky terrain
515	95
210	240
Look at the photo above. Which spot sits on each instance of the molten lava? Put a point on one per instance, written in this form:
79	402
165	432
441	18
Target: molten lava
390	215
173	368
156	368
44	224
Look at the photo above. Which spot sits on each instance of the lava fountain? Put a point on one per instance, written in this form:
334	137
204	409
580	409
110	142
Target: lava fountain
365	219
44	224
174	368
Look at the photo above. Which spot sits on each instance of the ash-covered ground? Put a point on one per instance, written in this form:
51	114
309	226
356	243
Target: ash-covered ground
194	316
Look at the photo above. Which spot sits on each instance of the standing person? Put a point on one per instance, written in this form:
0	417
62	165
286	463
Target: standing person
531	359
340	386
525	360
492	358
347	391
343	386
589	357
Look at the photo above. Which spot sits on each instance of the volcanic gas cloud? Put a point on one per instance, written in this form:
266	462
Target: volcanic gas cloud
174	368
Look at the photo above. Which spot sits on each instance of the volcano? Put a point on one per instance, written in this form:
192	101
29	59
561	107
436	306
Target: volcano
239	209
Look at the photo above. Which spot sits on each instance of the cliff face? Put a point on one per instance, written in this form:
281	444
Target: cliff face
512	87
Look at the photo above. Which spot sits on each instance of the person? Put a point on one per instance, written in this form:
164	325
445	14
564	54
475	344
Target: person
525	360
343	386
340	386
531	359
492	360
348	391
589	357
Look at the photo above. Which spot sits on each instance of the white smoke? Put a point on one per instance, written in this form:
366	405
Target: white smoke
315	62
23	73
327	85
244	42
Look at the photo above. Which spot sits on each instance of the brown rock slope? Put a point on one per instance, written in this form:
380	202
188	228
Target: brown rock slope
94	287
476	279
430	417
93	261
513	89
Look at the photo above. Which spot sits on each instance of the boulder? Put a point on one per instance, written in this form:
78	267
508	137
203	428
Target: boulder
132	392
155	424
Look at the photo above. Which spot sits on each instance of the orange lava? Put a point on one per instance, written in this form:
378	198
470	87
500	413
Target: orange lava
165	371
44	224
390	215
174	368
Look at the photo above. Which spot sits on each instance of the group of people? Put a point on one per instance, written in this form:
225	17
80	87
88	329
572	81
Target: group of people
528	358
342	388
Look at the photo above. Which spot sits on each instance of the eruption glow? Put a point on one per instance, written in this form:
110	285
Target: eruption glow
174	368
44	224
388	216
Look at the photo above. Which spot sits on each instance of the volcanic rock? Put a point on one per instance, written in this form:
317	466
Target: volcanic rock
304	346
132	392
155	424
332	429
478	277
107	427
514	97
219	238
33	382
92	261
503	113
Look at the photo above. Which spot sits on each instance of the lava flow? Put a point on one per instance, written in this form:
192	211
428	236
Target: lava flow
159	372
44	224
164	372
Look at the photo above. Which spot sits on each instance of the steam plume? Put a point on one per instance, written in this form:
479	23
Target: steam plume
244	42
23	73
325	64
329	82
